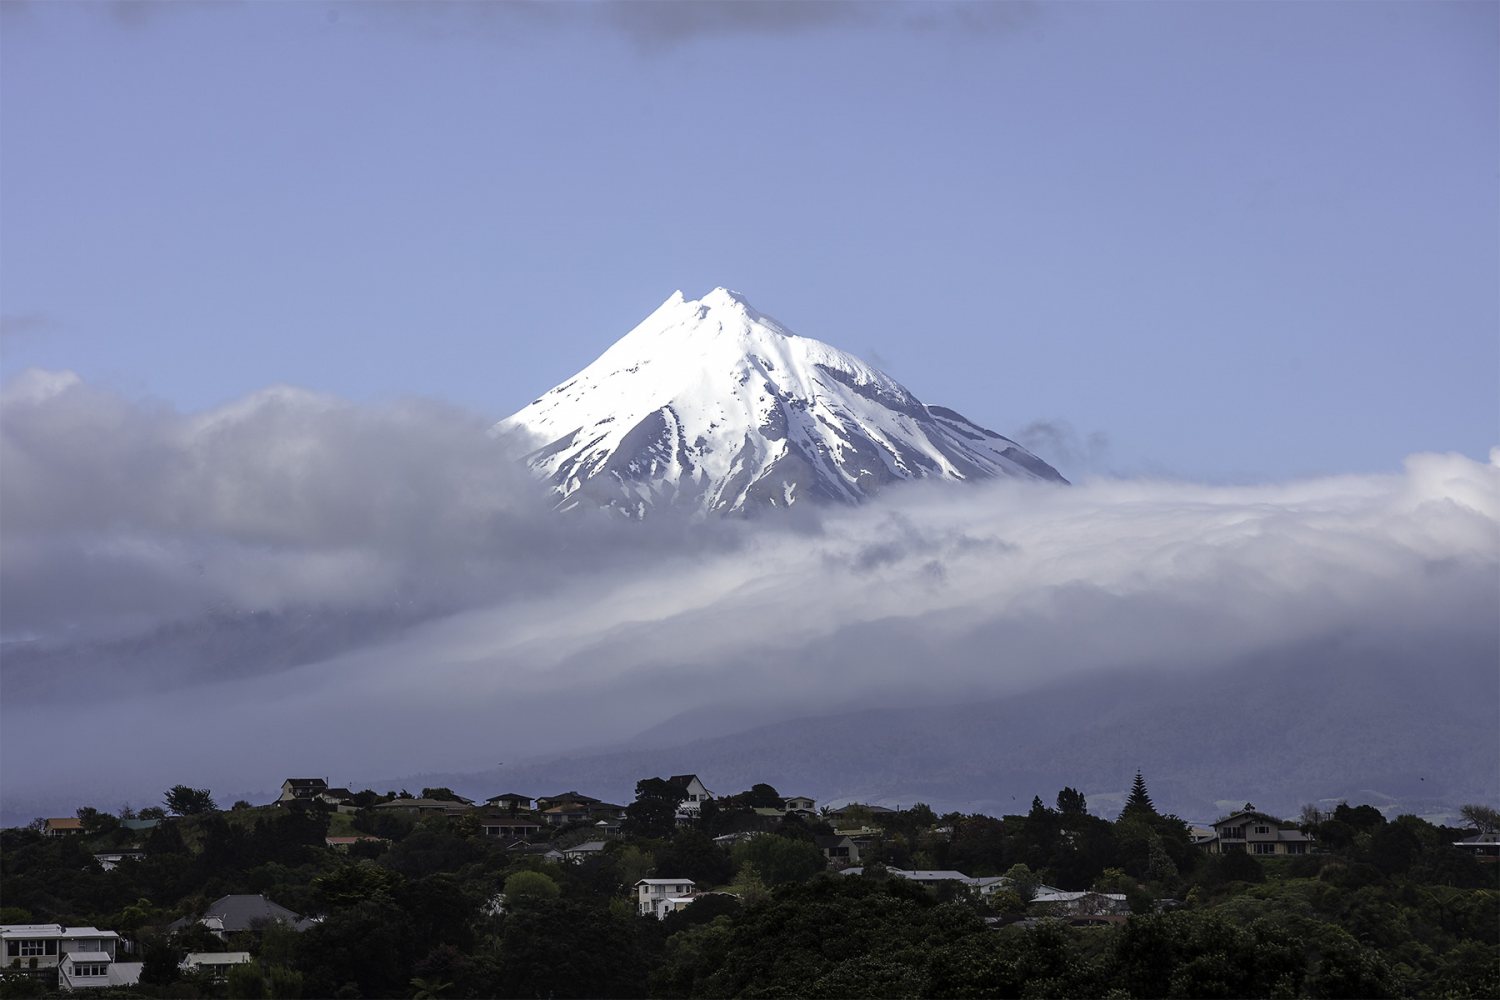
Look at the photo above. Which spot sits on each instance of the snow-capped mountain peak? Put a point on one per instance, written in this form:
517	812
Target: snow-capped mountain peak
712	404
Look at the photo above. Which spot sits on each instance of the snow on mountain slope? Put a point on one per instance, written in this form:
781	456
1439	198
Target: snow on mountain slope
713	405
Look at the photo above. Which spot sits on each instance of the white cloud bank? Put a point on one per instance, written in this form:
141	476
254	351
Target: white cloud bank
580	631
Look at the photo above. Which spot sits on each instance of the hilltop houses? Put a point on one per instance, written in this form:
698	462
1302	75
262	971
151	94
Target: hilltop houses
424	807
1253	832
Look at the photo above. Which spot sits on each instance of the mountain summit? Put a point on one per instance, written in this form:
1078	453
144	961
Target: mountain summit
713	405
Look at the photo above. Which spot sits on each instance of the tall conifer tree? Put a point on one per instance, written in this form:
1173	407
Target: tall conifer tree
1139	803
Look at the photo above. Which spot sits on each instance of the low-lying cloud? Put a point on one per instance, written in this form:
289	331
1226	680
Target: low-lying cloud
545	633
120	514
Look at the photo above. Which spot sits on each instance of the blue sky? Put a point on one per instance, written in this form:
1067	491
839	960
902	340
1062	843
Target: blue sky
1241	241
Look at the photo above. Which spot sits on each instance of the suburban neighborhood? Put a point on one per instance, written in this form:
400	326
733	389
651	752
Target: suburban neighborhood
312	880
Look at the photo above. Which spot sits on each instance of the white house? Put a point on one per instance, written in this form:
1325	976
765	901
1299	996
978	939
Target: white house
49	943
694	794
659	896
1253	832
800	804
87	970
302	789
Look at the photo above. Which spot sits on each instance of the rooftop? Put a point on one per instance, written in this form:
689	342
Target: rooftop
52	930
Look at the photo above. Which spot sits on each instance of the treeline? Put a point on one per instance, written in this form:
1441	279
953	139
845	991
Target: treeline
1388	908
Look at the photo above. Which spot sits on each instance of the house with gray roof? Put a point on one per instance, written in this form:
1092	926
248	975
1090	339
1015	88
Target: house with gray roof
232	914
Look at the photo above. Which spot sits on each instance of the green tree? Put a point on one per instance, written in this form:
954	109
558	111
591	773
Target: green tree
566	949
96	823
749	886
160	961
530	886
780	860
654	811
1070	802
185	801
1023	882
1481	817
693	854
245	982
1139	803
761	796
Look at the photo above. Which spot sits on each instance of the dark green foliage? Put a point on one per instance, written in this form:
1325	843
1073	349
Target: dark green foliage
185	801
1070	802
760	796
1365	817
693	854
1236	866
559	948
430	849
160	959
387	824
1390	908
96	823
780	860
654	811
705	910
1139	803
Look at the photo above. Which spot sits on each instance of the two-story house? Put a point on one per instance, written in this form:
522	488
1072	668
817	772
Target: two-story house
1250	831
800	804
694	794
656	897
82	957
302	789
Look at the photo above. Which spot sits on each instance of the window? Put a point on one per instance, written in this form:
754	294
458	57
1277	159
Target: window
1265	848
1296	848
1262	829
1233	833
90	969
34	948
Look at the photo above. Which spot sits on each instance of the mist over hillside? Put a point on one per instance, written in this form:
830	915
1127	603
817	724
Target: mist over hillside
1272	642
1394	725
